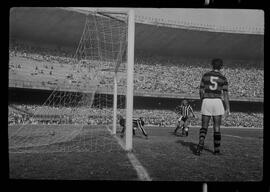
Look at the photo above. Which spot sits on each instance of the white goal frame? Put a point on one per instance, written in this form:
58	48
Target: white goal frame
130	74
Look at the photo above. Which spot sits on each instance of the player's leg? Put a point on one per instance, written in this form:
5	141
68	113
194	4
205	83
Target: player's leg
218	111
179	124
123	130
203	132
142	129
185	127
133	130
217	133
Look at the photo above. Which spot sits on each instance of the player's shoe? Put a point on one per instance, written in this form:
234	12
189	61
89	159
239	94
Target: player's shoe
185	131
122	135
217	152
199	150
175	131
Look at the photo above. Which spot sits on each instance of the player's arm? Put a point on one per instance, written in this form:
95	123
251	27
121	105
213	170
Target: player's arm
226	101
226	97
142	121
177	110
202	89
191	110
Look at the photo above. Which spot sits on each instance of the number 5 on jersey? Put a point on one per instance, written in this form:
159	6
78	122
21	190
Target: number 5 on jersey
214	85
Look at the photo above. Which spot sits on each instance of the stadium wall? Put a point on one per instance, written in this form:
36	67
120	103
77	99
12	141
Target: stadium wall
38	97
19	84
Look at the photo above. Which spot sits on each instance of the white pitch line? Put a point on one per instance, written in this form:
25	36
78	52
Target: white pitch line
239	137
141	171
222	127
233	136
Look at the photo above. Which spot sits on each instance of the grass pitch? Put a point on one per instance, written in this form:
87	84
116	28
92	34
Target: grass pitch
165	156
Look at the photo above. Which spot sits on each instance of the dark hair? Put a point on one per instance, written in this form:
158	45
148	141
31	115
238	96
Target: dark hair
184	100
217	63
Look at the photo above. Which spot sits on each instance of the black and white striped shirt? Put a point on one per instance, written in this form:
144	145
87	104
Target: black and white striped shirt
183	110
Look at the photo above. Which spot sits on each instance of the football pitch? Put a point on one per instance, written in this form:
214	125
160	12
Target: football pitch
163	155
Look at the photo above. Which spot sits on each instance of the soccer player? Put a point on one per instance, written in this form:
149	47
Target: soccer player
213	86
183	111
137	123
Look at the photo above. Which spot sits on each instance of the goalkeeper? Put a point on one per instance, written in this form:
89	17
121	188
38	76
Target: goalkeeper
136	123
183	111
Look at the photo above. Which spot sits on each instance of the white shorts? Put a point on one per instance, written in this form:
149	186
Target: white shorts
212	107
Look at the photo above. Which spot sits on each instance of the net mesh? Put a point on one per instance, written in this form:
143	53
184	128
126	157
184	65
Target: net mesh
79	118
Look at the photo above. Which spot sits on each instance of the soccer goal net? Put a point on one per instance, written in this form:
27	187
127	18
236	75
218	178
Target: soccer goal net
81	113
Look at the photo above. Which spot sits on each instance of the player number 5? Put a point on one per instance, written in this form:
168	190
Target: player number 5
213	80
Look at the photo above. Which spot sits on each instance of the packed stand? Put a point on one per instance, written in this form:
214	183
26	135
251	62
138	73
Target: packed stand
156	74
175	75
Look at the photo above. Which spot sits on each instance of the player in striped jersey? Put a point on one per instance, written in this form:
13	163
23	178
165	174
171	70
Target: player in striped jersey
183	111
137	123
213	86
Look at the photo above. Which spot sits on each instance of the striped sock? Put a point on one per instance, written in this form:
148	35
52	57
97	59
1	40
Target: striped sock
217	139
203	132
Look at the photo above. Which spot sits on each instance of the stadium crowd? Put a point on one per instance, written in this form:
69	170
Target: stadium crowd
38	53
38	114
152	73
95	116
236	119
183	75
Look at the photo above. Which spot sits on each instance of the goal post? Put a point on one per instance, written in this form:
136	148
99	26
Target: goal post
130	72
129	92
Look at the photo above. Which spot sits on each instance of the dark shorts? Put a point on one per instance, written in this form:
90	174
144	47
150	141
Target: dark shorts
183	119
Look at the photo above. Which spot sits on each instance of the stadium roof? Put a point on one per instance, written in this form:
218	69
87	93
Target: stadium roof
210	33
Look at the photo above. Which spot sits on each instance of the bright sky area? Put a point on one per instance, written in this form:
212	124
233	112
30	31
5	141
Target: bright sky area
217	17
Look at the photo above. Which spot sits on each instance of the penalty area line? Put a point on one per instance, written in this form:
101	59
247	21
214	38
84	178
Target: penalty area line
141	171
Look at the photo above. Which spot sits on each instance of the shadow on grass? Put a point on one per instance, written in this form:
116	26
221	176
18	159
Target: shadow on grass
175	134
192	146
136	136
178	134
140	136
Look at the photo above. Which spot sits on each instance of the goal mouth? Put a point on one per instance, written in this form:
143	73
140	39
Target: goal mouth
84	104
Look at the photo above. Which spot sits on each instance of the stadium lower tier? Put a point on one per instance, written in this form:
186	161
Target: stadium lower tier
92	116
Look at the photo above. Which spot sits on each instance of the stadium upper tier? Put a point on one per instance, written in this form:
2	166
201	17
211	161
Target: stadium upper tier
35	67
154	33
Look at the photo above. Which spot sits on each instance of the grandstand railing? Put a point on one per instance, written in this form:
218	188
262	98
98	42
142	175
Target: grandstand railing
109	90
